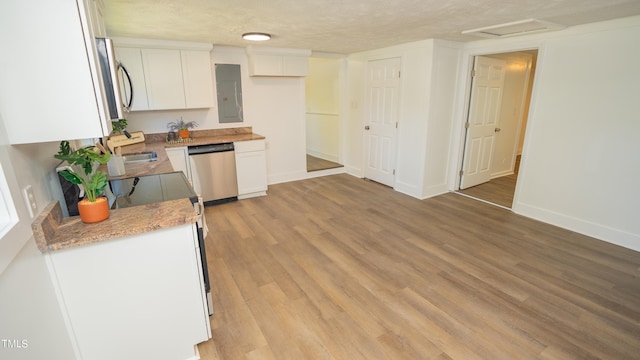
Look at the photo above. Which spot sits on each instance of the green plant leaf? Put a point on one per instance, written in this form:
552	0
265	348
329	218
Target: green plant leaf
95	186
71	176
84	169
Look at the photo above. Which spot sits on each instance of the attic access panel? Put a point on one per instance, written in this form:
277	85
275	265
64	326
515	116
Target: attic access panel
514	28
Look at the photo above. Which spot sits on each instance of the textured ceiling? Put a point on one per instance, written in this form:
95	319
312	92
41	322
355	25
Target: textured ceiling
341	26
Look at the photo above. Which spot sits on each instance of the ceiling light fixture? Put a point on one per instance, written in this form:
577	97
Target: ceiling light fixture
256	36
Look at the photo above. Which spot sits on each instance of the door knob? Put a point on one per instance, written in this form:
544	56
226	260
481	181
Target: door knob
367	127
497	130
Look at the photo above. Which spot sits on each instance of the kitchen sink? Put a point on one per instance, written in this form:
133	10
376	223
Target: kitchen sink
140	157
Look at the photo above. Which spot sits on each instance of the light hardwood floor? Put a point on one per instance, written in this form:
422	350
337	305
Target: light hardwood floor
342	268
498	191
316	163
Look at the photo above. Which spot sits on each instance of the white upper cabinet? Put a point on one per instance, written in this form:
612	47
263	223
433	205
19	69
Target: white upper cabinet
96	16
265	61
163	78
196	73
50	89
167	74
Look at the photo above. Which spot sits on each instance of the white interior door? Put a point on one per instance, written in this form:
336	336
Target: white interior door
483	119
383	97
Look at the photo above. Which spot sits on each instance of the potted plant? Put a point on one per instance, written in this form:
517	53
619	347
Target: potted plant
83	171
182	127
119	127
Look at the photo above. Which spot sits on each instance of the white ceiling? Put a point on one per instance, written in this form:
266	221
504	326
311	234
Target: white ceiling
341	26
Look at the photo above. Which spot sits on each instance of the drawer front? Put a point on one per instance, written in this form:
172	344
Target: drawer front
252	145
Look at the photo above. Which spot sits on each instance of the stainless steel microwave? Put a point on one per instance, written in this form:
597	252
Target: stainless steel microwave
110	69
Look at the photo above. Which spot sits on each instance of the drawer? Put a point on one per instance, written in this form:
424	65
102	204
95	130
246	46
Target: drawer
247	146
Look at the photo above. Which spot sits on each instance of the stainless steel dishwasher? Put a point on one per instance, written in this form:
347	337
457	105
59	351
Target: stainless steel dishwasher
213	169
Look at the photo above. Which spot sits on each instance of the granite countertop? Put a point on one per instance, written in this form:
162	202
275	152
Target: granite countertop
53	232
158	142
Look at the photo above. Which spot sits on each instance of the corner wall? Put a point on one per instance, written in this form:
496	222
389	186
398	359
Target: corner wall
29	313
428	78
580	167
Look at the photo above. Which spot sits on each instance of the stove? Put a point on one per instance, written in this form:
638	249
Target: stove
148	189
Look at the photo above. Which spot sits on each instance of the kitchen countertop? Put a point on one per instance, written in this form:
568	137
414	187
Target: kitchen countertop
53	232
157	143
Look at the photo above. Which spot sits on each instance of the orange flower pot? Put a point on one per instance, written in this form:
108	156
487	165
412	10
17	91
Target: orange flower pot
184	134
93	212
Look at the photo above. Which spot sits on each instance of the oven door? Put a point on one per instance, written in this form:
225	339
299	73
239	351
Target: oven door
202	234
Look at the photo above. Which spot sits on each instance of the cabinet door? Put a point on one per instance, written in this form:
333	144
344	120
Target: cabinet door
251	167
198	82
140	292
49	89
163	77
295	66
131	59
96	10
265	65
179	158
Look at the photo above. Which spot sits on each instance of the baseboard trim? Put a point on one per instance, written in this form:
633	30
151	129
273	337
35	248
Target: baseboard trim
434	191
501	174
326	172
407	189
598	231
287	177
323	156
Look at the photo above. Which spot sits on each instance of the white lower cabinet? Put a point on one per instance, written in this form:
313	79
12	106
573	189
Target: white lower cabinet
139	297
251	167
179	158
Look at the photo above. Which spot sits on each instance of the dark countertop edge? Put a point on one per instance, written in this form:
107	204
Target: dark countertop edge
53	232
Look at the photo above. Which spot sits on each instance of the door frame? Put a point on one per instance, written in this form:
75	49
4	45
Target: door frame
463	96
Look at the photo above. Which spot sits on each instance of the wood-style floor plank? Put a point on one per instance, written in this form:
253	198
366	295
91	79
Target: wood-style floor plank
343	268
316	163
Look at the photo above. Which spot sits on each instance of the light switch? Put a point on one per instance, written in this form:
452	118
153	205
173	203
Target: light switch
30	200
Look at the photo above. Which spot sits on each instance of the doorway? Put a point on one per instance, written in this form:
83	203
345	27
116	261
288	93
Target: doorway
323	115
497	115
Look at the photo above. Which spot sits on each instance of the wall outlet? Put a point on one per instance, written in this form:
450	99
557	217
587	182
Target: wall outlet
30	200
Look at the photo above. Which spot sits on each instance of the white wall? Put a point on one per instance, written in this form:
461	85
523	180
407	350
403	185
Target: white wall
28	306
428	77
323	103
354	117
580	167
29	310
273	106
439	126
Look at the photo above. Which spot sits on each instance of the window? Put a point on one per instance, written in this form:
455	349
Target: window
13	232
8	216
